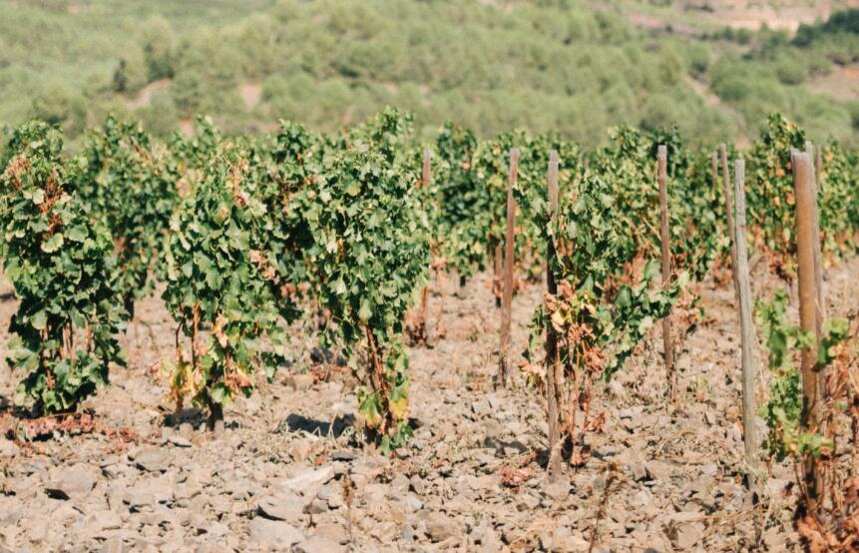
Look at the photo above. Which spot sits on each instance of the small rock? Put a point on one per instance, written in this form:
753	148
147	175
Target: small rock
316	507
710	469
113	545
412	503
658	470
97	523
333	532
631	413
559	490
343	455
273	533
440	527
777	487
528	502
775	539
734	433
308	482
418	485
109	461
564	540
280	507
8	448
300	450
481	408
151	459
179	441
688	535
685	516
302	381
73	482
400	484
332	495
318	544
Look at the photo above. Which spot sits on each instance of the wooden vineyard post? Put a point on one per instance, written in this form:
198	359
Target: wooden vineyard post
729	209
553	364
665	238
497	265
749	369
803	174
509	249
420	332
818	254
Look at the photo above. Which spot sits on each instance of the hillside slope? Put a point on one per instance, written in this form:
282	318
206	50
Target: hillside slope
578	67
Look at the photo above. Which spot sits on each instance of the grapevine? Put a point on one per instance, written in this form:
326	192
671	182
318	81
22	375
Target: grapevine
59	257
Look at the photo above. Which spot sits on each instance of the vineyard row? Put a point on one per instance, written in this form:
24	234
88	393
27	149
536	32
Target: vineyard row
246	234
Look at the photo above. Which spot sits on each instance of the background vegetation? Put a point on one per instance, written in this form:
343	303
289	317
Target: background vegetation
573	66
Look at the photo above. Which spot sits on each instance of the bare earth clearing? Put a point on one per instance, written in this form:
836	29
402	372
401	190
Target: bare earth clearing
841	84
750	14
744	14
286	474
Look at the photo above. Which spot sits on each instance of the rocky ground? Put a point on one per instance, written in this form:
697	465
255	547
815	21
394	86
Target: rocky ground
286	473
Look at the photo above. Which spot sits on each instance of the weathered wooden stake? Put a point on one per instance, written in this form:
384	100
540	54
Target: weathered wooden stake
749	369
426	177
665	238
498	269
553	365
729	208
509	242
803	175
820	303
818	254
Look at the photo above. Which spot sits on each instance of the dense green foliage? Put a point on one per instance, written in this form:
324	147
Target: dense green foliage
606	303
215	279
463	212
59	257
131	180
628	163
771	195
367	252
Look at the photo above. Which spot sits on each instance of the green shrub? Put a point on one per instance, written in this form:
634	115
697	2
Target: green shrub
698	58
159	46
791	71
59	105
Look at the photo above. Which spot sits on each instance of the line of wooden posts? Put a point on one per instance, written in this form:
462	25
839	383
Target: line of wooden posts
811	297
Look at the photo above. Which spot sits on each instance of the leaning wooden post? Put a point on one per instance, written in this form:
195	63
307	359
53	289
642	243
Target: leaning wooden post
553	365
665	238
729	209
509	243
803	174
749	369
